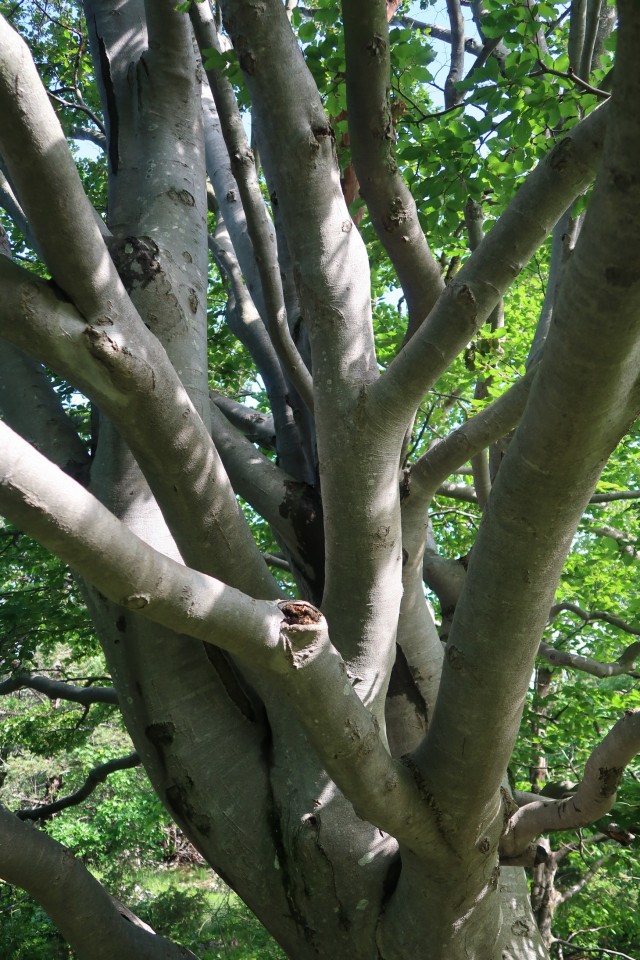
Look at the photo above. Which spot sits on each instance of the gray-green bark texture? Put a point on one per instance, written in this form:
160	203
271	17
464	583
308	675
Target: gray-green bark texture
333	760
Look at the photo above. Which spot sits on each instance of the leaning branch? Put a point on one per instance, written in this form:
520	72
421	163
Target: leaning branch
594	797
96	776
65	889
41	500
429	473
57	690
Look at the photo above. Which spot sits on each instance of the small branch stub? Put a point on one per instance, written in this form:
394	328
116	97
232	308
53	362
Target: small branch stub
301	631
299	613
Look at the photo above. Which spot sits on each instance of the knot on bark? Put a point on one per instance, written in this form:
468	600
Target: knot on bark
299	613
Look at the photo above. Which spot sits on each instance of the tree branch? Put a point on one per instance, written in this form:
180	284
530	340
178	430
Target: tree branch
32	408
127	372
86	133
456	22
575	661
57	690
582	882
434	30
390	203
246	324
256	426
429	473
9	202
95	777
66	890
597	950
594	797
68	520
614	495
46	181
465	493
589	616
552	465
288	505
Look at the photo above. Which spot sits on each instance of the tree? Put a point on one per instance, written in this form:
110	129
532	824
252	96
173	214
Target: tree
304	723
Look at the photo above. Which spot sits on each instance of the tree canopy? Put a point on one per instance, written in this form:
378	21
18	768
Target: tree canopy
318	458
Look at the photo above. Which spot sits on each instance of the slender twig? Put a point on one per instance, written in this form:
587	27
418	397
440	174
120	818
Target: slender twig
82	107
612	953
593	615
96	776
570	74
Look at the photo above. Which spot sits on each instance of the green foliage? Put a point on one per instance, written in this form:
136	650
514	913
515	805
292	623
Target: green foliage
26	932
29	578
196	909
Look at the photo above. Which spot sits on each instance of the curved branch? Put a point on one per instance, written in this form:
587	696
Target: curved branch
625	663
593	798
596	668
589	616
58	690
66	890
95	777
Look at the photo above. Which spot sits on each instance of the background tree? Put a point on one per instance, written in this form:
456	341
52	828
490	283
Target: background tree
301	718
